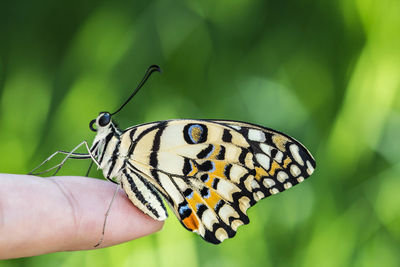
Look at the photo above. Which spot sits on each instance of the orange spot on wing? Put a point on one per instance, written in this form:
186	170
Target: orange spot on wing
279	141
191	222
210	180
286	162
216	151
219	169
260	172
194	169
274	167
196	199
213	199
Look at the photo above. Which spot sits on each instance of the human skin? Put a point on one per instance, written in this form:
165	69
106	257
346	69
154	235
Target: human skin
64	213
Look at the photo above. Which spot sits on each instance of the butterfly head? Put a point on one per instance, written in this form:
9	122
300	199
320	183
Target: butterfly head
102	121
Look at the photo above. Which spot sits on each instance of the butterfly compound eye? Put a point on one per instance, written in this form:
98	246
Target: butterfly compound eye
104	119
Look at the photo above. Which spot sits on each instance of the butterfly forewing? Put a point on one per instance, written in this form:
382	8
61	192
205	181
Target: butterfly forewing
286	161
210	172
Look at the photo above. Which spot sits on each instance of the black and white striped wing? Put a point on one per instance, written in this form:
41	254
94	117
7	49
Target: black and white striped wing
211	172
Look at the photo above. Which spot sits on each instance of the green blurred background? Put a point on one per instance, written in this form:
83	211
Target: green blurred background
325	72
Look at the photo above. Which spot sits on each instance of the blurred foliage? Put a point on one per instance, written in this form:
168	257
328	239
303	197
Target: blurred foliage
325	72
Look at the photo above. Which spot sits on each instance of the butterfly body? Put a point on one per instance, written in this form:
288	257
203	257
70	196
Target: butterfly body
209	171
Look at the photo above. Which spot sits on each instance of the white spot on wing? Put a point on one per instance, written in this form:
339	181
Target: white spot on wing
294	149
274	191
235	224
208	218
282	176
287	185
247	182
256	135
268	182
232	153
221	234
279	157
248	161
236	173
263	160
294	170
225	212
201	231
310	168
226	189
254	184
235	127
244	204
260	195
266	149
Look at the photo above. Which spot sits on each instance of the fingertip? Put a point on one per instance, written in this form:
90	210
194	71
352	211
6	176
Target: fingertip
65	213
125	221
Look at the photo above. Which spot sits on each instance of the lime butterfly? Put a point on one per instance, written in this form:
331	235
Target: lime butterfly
208	171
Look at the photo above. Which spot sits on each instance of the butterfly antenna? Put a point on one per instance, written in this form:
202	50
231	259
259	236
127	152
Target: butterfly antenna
149	71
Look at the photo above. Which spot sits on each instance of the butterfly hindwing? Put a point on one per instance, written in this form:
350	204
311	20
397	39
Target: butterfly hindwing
211	172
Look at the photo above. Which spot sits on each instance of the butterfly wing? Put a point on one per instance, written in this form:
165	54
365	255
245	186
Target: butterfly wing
211	172
143	194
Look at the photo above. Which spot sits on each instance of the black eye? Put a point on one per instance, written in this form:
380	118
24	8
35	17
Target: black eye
105	119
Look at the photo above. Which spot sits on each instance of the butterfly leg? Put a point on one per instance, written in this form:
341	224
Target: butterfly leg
70	154
106	216
73	155
88	171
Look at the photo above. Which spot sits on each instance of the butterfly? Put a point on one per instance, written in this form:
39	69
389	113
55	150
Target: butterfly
210	172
